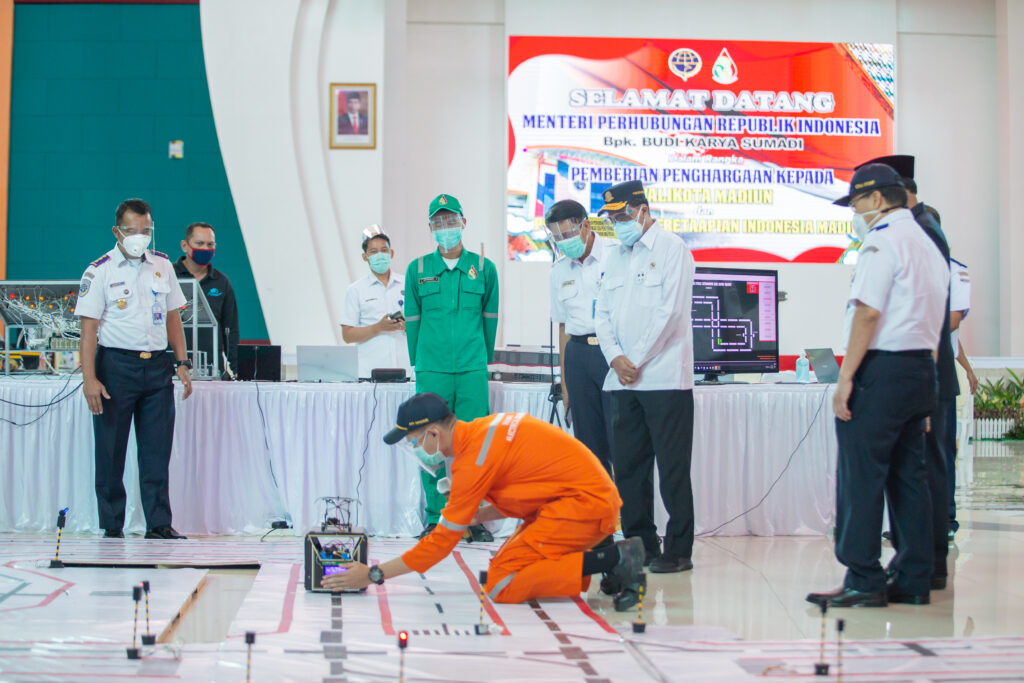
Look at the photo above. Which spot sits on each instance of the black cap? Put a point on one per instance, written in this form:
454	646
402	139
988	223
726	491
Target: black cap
416	412
870	177
567	208
901	163
618	196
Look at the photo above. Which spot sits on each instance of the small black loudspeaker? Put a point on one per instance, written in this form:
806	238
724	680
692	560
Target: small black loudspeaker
260	362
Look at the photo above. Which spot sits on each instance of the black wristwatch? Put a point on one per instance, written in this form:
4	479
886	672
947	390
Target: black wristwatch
187	363
376	574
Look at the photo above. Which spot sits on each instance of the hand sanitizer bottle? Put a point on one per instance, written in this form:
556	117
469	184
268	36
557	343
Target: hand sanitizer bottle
803	368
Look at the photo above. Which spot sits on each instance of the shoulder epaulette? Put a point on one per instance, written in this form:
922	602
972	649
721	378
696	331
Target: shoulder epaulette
161	254
962	265
100	261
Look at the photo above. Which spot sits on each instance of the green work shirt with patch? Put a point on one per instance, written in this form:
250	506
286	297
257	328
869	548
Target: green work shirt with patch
451	316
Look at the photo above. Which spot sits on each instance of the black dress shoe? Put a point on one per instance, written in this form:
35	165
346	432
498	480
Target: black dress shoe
938	583
670	565
847	597
113	533
480	534
166	533
426	530
611	584
898	596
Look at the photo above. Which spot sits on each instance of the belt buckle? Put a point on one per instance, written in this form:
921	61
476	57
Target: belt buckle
145	355
592	340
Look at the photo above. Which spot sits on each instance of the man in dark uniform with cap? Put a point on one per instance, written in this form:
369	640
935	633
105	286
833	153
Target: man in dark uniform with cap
129	302
949	387
886	390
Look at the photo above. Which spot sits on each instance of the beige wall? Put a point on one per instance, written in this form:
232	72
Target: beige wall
441	65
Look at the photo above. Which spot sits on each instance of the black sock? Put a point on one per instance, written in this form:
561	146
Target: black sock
599	561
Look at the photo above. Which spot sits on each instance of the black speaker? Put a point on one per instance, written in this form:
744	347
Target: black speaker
259	361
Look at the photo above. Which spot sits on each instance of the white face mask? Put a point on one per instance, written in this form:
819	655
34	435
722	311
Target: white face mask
136	245
861	225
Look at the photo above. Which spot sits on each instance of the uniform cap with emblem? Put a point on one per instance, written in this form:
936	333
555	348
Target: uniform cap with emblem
617	197
444	202
868	178
416	412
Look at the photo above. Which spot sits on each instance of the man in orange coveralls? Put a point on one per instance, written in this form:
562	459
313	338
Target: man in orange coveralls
523	468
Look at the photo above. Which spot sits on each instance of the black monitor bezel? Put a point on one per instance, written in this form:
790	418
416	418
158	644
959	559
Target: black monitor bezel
748	367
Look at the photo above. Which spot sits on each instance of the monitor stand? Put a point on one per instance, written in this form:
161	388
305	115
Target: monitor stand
712	379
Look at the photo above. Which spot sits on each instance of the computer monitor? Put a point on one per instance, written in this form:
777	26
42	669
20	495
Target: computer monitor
735	321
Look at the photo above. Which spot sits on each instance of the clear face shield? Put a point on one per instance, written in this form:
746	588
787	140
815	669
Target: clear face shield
417	447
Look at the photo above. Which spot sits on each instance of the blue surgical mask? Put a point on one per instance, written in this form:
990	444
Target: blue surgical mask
572	247
380	262
428	461
628	232
447	237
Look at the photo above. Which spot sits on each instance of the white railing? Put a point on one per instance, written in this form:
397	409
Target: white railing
990	428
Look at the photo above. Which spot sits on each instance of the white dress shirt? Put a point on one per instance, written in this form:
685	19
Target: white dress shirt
130	298
575	286
643	311
900	273
959	296
367	301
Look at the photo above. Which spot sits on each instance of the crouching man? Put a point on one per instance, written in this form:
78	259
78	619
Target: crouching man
519	467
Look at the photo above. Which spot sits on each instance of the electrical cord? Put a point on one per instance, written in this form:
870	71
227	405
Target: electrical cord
366	443
61	397
789	462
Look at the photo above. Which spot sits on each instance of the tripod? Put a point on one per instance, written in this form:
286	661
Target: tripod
555	392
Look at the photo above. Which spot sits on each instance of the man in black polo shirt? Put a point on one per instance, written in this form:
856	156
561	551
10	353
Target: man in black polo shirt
199	245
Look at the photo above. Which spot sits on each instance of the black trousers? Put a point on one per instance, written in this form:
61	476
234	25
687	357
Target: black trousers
935	459
882	452
590	407
649	426
140	390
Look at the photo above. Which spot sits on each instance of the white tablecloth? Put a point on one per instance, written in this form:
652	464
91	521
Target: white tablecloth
246	454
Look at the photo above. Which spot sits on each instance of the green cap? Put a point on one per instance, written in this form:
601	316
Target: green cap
444	202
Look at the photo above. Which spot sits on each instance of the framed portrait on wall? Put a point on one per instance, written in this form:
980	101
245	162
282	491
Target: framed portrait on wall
353	116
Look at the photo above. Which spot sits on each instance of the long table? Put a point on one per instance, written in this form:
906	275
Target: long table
248	453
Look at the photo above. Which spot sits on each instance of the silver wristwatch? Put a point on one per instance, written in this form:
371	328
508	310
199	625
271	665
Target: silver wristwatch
376	574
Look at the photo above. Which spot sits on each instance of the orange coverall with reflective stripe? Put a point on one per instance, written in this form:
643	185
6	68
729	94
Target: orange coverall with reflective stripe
531	470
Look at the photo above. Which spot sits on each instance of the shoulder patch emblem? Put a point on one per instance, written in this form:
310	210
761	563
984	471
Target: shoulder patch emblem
100	261
84	287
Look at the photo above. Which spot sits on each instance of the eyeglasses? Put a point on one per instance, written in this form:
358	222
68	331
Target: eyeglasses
128	231
623	217
453	220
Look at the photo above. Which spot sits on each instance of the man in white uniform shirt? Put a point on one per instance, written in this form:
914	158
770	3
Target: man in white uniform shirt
643	325
129	302
575	282
887	386
370	303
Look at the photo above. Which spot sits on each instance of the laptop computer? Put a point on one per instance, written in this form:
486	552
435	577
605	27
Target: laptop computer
824	364
327	363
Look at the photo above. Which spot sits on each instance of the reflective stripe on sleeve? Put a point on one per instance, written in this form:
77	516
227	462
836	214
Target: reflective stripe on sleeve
412	318
482	455
490	315
500	586
448	524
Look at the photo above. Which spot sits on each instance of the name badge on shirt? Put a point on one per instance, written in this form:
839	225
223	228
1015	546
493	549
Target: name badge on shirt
158	312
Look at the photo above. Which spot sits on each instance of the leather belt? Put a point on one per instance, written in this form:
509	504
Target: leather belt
144	355
590	339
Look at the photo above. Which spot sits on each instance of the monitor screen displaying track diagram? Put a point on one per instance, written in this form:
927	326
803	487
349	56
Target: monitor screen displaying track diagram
735	321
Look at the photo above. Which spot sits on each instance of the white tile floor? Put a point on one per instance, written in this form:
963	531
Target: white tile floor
740	615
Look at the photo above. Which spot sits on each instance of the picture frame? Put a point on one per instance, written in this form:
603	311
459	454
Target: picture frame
353	129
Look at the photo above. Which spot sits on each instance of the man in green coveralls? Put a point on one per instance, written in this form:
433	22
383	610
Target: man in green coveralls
451	318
